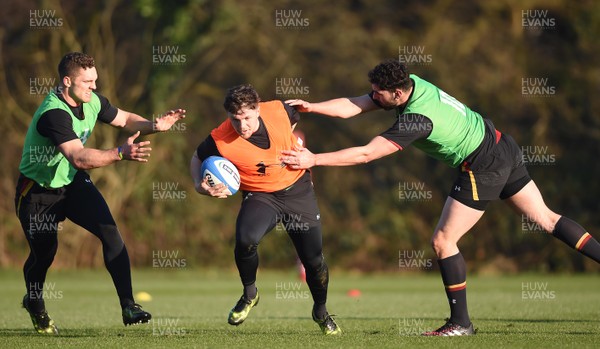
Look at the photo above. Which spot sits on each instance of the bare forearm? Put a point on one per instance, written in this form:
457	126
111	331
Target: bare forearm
344	157
339	107
304	158
136	123
86	159
377	148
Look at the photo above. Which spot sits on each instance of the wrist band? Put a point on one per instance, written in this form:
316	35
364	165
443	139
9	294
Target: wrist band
120	153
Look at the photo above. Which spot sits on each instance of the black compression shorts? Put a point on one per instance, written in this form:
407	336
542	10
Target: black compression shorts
499	174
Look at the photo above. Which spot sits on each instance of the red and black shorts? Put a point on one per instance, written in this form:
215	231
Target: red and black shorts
501	173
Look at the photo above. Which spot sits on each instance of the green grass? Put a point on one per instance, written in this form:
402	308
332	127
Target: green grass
192	305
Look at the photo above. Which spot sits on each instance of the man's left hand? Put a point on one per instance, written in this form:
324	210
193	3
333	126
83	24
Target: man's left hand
165	122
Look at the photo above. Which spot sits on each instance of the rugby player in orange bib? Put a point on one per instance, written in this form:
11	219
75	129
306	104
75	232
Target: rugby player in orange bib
252	138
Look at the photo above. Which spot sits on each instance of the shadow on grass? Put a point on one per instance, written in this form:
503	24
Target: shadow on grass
74	333
495	327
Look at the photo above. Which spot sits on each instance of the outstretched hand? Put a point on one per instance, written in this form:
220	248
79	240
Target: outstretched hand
300	105
298	158
168	119
136	151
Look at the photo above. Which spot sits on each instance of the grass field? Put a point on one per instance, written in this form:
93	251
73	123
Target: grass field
190	308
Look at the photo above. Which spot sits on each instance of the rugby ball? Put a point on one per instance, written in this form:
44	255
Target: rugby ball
220	170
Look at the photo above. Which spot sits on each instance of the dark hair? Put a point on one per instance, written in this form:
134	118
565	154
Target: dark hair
389	75
73	61
241	96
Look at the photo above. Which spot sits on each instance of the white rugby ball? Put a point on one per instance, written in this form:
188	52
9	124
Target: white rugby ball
220	170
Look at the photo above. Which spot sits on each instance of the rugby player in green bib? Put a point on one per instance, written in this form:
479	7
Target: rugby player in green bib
490	167
53	184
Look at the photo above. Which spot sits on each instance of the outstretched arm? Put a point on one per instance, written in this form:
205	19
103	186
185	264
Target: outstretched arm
339	107
133	122
303	158
87	158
